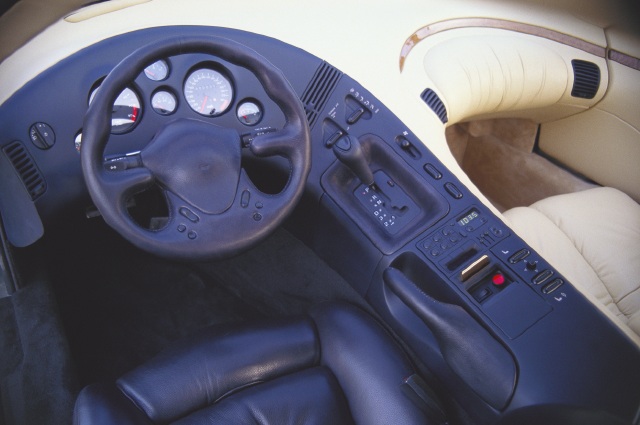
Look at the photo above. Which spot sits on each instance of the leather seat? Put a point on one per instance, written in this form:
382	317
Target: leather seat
337	366
593	238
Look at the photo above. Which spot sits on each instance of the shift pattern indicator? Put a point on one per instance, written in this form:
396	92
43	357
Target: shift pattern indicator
387	203
378	207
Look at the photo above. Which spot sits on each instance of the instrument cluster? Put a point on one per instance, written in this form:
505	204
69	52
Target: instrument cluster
207	89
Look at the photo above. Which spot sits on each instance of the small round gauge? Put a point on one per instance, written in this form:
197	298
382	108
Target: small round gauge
126	110
249	113
157	71
164	102
208	92
78	141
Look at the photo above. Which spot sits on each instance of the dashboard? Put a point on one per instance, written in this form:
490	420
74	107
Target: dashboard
430	248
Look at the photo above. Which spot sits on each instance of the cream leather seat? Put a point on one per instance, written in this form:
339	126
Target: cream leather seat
593	238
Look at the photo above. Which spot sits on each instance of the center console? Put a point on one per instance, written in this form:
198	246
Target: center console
485	314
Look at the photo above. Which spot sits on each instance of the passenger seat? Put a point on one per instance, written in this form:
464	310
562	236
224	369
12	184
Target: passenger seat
592	237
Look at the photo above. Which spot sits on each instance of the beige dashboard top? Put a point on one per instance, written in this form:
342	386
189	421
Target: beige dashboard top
362	38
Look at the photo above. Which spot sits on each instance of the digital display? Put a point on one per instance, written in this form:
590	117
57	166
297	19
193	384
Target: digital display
468	218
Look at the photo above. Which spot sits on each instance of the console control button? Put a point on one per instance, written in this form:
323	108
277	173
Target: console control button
355	116
519	256
497	232
432	171
334	138
552	286
454	238
453	190
531	265
482	294
542	277
498	279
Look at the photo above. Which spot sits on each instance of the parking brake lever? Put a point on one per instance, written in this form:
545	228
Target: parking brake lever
349	151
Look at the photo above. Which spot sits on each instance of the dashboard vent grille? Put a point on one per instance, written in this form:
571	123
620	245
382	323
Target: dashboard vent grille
26	168
433	101
317	93
586	79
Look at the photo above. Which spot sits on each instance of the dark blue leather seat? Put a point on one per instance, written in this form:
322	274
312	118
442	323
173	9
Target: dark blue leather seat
337	366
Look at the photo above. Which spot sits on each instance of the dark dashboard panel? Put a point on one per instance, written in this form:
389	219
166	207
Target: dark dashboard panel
60	96
448	244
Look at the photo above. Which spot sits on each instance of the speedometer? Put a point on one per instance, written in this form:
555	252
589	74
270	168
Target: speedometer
208	92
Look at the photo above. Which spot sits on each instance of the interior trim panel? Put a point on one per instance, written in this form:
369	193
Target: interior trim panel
520	27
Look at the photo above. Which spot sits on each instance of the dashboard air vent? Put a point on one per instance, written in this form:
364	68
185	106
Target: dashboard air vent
433	101
26	168
586	79
317	93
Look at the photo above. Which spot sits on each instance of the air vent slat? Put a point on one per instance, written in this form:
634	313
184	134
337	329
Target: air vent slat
318	91
434	102
586	79
26	168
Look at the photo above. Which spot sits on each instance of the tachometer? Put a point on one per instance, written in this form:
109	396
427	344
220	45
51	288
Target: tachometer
208	92
126	110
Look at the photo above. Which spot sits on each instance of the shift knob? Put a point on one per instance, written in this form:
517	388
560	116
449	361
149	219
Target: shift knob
349	151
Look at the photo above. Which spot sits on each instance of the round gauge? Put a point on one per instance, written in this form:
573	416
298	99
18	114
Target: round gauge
157	71
208	92
78	141
126	110
249	113
164	102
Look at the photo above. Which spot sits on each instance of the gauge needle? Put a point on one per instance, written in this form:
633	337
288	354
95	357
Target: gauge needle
204	103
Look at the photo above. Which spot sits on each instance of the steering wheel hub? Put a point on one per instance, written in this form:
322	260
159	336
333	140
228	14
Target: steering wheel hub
198	162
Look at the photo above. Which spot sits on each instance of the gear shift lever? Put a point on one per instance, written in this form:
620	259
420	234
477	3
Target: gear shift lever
350	153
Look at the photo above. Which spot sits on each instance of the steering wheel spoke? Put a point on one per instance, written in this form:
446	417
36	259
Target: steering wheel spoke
119	185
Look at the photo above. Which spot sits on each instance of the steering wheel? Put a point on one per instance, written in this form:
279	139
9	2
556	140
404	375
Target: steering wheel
215	211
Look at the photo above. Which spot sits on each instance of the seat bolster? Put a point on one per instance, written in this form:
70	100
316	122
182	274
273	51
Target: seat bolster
311	396
200	370
592	237
368	364
556	247
604	225
104	404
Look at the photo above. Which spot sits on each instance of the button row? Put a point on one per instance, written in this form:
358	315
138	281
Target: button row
191	234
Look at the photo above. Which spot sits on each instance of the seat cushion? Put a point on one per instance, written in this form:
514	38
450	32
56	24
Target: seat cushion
593	238
337	366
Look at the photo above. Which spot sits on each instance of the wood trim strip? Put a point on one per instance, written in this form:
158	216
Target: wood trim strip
624	59
441	26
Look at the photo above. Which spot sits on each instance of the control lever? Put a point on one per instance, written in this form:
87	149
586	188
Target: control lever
349	151
470	350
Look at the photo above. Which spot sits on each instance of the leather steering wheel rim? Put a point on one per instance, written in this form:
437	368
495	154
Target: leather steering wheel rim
198	228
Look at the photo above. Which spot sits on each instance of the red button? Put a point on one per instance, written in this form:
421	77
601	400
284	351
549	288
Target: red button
498	279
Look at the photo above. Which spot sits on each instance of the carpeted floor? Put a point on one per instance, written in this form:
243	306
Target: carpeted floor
121	306
37	381
498	157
